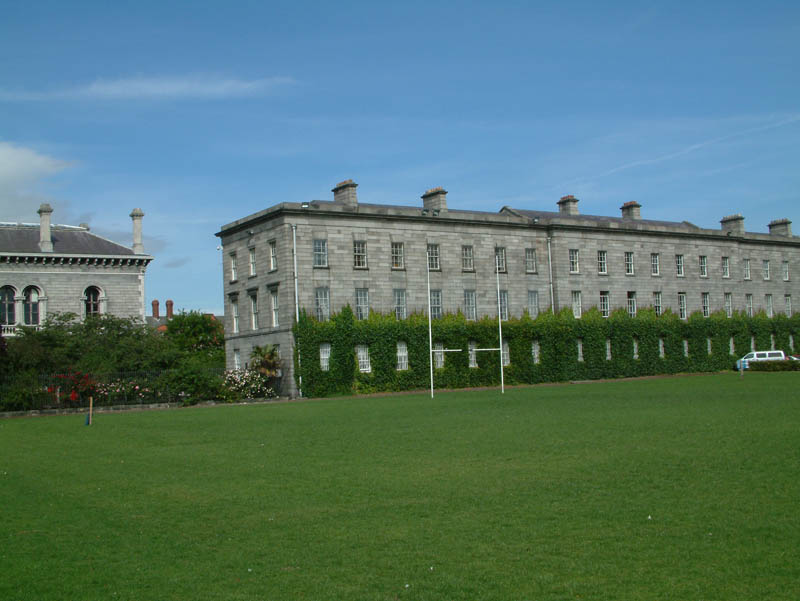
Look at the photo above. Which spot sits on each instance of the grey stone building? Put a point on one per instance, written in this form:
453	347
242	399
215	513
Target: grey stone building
47	269
378	258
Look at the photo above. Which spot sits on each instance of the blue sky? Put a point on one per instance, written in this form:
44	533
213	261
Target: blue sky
201	113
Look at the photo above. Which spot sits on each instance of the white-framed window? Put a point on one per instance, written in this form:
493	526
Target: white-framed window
273	296
655	264
535	352
574	260
470	305
765	268
500	258
785	270
253	311
506	354
362	303
273	255
237	359
579	346
629	262
679	265
602	262
433	257
30	306
320	252
252	260
402	355
748	304
399	303
746	268
657	302
768	304
605	303
729	304
682	305
703	261
8	304
576	304
504	305
235	314
705	304
533	303
473	354
631	303
726	267
359	254
467	258
234	269
398	255
325	356
438	355
608	349
787	300
362	353
322	303
530	260
436	304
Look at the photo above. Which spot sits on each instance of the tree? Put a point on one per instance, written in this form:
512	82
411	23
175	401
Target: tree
196	332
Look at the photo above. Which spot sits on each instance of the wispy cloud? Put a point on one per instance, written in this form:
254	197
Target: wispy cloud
156	88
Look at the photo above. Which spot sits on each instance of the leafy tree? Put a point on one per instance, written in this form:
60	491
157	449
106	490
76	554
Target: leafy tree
199	334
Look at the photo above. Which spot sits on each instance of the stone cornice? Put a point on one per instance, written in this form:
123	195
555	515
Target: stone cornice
76	259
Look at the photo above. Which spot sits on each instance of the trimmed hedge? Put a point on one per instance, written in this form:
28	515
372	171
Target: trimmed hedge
788	365
643	345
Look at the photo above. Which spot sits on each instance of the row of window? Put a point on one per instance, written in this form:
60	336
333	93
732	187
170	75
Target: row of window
680	271
31	301
657	303
255	323
364	365
251	260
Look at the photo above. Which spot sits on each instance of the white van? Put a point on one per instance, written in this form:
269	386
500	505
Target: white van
759	356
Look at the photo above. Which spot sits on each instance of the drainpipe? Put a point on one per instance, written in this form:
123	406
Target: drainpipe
550	268
499	321
296	303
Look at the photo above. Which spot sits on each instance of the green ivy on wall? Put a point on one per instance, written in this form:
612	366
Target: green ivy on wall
613	347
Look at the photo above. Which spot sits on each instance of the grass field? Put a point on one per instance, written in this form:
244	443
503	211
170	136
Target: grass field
681	488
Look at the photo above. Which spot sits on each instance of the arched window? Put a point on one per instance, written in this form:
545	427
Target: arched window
92	301
7	314
31	306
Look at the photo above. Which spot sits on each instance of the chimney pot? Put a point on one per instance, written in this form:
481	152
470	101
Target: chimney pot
435	199
155	308
45	240
568	205
733	224
631	210
780	227
136	216
169	309
345	193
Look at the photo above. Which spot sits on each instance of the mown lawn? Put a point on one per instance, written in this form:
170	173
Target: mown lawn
682	488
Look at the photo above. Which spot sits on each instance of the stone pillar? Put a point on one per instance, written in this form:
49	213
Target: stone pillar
136	217
45	241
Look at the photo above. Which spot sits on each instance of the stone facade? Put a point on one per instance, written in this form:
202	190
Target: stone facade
47	269
629	261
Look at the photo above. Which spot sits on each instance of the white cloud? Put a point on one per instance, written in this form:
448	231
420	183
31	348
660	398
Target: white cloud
22	171
156	88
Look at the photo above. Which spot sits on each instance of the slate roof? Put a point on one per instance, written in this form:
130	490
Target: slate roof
23	238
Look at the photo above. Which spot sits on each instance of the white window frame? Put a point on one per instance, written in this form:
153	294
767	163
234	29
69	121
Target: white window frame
703	264
574	260
785	269
320	250
768	305
602	262
325	356
530	260
655	264
234	267
682	305
362	303
467	258
657	307
729	304
533	303
362	354
748	304
434	263
500	259
576	304
438	355
273	255
679	272
253	311
322	303
436	304
787	301
746	268
274	301
705	303
726	267
631	303
235	314
402	355
470	305
252	260
605	303
360	254
765	268
504	305
399	297
629	267
398	255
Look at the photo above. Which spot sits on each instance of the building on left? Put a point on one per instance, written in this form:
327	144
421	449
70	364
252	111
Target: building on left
47	269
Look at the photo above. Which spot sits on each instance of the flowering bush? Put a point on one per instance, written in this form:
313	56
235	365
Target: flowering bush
124	390
248	384
79	385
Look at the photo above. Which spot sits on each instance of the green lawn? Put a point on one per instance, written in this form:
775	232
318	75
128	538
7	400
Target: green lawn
684	488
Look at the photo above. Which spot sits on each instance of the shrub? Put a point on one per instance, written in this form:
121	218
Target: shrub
788	365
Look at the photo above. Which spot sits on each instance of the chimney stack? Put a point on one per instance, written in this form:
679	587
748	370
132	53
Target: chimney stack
169	309
136	216
45	241
631	210
733	224
435	199
568	205
155	308
345	193
780	227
